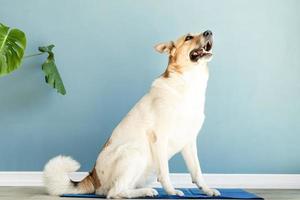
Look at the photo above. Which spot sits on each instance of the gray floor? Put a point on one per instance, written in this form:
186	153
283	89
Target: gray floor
16	193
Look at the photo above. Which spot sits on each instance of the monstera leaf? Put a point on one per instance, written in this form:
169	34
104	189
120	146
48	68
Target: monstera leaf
12	46
52	76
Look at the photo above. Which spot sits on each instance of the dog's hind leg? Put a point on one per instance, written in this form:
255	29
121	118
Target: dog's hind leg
140	192
129	169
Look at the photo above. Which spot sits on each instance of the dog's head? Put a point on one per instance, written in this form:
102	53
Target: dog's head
190	49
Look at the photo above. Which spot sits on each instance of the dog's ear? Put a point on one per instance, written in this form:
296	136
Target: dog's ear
165	47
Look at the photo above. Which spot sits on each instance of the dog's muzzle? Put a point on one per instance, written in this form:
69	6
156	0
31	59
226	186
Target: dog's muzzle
205	50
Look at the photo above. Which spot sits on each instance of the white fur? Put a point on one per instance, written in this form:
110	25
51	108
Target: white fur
164	122
174	110
56	175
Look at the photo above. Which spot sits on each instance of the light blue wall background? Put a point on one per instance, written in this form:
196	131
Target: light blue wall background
104	51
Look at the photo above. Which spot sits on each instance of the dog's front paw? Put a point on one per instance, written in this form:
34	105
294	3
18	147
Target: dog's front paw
211	192
179	193
176	192
151	192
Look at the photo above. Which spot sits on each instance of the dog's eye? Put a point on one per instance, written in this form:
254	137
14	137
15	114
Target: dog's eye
189	37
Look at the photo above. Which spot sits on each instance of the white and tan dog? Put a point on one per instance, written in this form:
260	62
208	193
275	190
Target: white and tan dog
164	122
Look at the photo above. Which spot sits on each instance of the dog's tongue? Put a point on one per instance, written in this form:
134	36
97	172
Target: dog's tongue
198	52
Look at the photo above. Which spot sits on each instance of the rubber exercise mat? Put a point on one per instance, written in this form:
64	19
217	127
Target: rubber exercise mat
189	193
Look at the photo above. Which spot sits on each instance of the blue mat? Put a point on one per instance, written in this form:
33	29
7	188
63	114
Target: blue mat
189	193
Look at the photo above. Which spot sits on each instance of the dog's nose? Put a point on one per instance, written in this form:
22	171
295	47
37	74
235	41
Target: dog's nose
207	33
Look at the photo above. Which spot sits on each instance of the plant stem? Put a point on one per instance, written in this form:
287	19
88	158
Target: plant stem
37	54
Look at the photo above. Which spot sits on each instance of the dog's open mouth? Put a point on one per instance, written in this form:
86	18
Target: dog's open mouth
200	52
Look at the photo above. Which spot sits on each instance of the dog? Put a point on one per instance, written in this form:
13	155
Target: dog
164	122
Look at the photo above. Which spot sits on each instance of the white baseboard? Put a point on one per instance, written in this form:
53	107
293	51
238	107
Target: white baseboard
259	181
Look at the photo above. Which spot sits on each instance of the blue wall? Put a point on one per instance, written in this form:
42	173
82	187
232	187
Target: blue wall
104	51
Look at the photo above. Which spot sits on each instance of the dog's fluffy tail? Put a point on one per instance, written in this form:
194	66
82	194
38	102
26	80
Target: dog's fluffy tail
57	181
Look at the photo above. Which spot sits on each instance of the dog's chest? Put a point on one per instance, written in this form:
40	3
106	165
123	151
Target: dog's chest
189	115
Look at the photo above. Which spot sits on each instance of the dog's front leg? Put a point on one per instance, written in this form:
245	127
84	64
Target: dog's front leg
190	156
160	156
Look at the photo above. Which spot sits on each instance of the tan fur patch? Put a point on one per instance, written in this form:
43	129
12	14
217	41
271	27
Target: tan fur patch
95	179
90	183
172	65
152	137
107	143
87	185
173	68
176	61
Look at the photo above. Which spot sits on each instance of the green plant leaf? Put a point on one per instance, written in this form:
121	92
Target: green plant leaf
52	76
12	47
